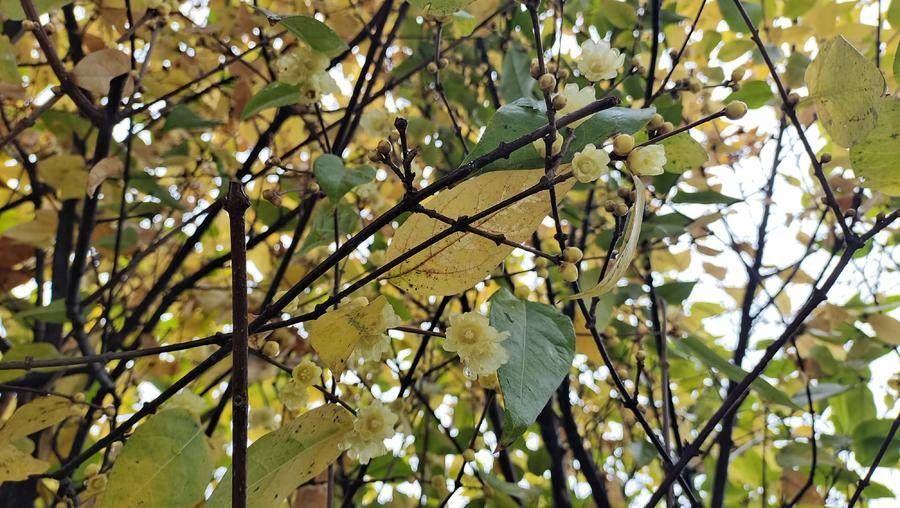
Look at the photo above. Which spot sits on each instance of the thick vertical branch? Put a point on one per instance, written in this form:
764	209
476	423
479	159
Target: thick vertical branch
236	203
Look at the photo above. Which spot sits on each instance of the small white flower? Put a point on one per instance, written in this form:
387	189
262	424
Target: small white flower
647	160
598	61
589	163
372	426
477	343
294	395
306	373
577	99
377	122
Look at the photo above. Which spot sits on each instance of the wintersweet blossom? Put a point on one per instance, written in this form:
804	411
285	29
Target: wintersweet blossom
589	163
375	341
306	372
477	343
294	395
372	426
576	99
308	70
647	160
599	61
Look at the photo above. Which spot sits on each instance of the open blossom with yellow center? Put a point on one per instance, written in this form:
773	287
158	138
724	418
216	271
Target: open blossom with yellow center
308	70
372	426
576	99
306	372
599	61
589	163
376	342
477	343
647	160
294	395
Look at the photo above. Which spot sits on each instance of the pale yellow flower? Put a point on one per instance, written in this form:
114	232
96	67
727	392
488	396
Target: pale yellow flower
477	343
647	160
576	99
372	426
589	163
599	61
541	146
306	373
294	395
376	342
300	64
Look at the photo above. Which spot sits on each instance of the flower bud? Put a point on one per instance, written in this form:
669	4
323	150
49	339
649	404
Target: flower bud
559	102
443	63
92	469
568	272
541	262
272	196
640	355
535	68
432	67
384	147
547	82
609	206
623	144
735	110
522	292
621	210
79	397
542	273
469	455
694	85
825	158
572	254
271	349
27	25
655	121
793	99
373	156
665	128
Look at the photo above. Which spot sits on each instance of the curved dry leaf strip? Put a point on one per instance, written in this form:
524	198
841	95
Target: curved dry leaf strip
461	260
620	265
110	167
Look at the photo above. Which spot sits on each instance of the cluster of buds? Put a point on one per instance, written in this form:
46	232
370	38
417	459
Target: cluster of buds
658	126
433	67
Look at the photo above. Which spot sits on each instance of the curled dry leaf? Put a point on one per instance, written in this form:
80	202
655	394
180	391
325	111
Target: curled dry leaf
110	167
95	71
459	261
632	233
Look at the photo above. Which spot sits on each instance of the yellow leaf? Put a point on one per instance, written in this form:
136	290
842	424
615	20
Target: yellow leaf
66	174
845	86
16	465
39	232
716	271
461	260
887	329
620	265
336	335
110	167
95	71
282	460
36	415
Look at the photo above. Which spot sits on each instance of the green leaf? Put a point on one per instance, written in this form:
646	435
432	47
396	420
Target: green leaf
675	292
732	15
526	115
315	33
691	347
322	231
281	461
21	352
683	153
274	95
755	93
54	312
182	117
440	8
845	87
819	392
9	72
875	156
706	197
868	437
166	463
517	81
621	14
541	347
734	49
335	179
